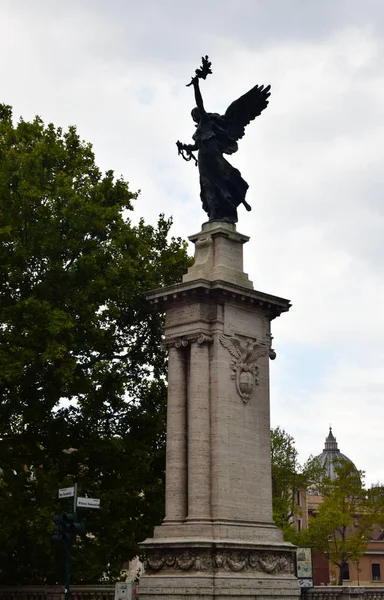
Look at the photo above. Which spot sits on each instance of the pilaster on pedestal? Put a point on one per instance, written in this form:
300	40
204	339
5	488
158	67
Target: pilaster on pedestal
199	434
218	539
176	456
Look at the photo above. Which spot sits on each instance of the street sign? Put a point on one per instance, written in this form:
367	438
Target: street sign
88	502
305	583
67	492
304	568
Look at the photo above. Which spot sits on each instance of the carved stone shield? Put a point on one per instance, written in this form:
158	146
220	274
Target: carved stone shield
245	382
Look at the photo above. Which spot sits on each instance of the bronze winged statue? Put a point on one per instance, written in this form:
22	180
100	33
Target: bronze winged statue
222	187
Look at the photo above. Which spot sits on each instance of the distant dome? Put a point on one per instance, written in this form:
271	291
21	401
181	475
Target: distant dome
331	455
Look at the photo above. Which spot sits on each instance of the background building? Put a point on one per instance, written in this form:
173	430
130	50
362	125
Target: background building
369	570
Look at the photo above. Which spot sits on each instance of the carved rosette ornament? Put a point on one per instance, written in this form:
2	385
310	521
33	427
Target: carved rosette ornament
244	364
183	342
180	342
235	561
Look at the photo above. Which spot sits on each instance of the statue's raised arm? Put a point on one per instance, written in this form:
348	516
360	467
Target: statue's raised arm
222	188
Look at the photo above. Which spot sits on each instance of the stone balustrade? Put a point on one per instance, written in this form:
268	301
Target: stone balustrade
346	593
107	592
56	592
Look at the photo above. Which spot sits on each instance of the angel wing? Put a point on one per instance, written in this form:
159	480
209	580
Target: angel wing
232	344
246	108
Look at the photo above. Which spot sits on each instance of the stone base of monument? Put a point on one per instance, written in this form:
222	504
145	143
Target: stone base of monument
220	570
218	540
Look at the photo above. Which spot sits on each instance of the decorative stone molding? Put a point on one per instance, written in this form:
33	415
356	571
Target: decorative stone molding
244	365
218	291
183	342
202	338
180	342
272	352
199	559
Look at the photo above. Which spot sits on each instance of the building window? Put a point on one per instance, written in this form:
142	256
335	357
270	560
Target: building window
298	499
298	524
346	571
376	572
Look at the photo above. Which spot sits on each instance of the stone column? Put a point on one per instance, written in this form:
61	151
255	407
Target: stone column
199	443
176	475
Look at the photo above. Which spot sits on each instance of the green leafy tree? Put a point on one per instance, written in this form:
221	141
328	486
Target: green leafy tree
81	365
288	478
347	517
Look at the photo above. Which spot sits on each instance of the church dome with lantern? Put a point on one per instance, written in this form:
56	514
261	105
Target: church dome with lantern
331	456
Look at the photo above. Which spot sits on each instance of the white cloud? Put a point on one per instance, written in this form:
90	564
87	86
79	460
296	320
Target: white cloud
313	162
350	398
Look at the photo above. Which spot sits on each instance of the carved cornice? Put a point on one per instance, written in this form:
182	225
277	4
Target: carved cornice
216	559
218	291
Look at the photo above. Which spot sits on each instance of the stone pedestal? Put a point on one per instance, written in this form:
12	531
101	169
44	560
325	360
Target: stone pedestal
218	540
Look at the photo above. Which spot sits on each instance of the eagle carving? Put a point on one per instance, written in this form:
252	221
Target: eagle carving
244	363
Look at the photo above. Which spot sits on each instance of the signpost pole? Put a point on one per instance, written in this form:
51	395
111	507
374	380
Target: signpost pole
75	499
70	492
68	556
67	493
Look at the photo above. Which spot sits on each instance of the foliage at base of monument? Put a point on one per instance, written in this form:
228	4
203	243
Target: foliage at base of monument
347	518
288	479
82	391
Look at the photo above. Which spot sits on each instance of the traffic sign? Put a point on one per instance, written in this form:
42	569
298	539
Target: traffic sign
88	502
67	492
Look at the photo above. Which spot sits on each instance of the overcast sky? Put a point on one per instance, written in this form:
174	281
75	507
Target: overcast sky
313	161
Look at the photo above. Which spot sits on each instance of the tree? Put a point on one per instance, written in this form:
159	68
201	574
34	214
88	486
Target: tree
347	516
80	360
288	478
